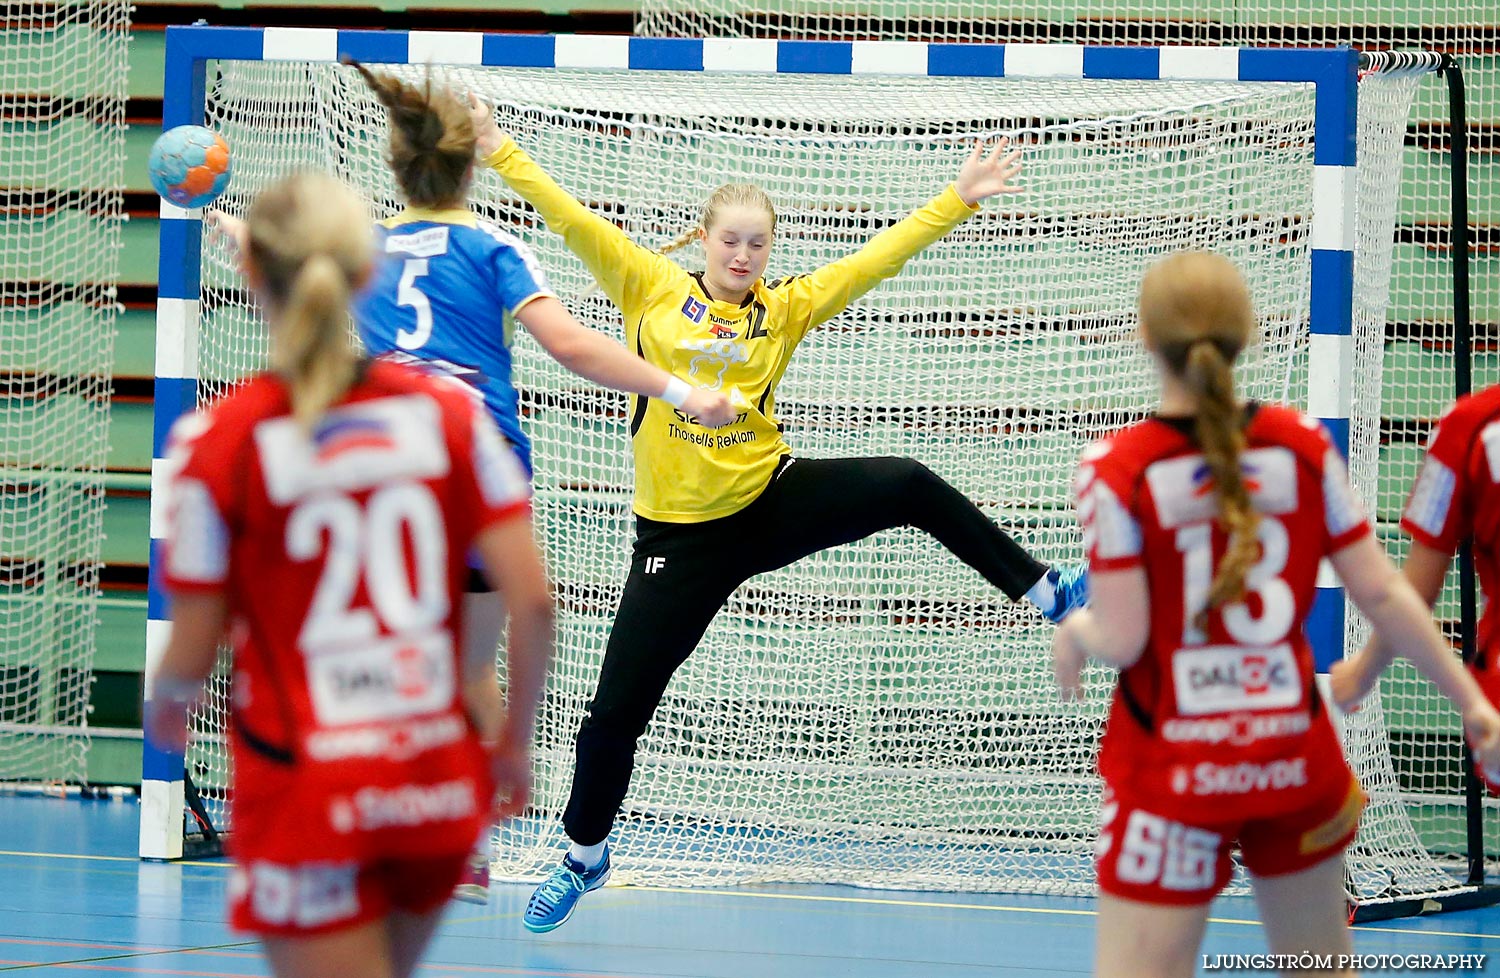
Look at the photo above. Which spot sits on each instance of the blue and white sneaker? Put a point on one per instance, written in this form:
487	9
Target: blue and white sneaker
553	902
1070	587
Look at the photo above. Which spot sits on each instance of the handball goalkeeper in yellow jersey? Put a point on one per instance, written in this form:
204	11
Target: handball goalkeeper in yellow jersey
698	498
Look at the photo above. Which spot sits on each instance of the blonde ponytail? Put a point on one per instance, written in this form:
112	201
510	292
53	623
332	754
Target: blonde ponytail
1196	315
1207	375
309	243
312	349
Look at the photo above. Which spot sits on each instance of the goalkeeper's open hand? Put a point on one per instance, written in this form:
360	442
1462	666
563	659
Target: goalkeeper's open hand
487	134
987	174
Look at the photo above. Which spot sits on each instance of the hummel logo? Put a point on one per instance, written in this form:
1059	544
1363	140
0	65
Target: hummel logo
654	564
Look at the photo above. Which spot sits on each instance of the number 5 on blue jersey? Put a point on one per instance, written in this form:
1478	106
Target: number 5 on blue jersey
441	296
407	294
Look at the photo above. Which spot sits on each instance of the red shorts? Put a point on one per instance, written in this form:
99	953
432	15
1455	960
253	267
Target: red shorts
1149	858
303	899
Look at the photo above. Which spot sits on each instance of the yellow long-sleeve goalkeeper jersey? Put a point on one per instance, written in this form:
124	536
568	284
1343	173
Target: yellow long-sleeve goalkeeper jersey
686	473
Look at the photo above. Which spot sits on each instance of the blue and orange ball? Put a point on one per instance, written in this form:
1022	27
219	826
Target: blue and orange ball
190	166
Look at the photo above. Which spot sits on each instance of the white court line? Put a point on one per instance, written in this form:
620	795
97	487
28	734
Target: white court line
1058	911
819	898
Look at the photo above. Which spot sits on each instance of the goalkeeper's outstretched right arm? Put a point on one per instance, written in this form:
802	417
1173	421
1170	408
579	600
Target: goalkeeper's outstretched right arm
623	269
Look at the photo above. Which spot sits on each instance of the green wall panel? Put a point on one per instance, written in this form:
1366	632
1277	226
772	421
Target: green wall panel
140	250
1424	196
138	139
1391	493
130	436
127	528
122	632
135	343
148	52
21	326
63	431
1418	289
1417	382
115	761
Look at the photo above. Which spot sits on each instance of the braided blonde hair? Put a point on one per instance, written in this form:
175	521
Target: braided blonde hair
1195	311
309	242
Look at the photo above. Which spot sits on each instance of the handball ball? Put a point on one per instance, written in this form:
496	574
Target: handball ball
190	166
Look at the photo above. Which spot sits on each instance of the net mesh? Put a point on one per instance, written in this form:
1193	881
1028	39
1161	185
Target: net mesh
874	714
62	102
1404	376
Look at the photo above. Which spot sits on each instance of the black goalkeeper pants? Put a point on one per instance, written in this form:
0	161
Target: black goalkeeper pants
682	573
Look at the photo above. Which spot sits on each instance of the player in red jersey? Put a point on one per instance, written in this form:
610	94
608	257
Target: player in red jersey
321	514
1456	495
1205	526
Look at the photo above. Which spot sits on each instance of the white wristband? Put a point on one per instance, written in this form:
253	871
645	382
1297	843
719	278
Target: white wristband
175	690
677	392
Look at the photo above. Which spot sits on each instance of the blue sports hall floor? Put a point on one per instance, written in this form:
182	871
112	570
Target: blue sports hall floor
74	900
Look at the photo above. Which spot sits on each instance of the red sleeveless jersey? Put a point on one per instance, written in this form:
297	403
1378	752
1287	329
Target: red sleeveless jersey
1457	494
342	555
1219	717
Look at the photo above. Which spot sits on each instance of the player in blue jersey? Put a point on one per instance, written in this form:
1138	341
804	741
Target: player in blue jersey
444	295
450	279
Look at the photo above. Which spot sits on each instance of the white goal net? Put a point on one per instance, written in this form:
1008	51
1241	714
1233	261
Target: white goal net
62	88
876	714
1405	371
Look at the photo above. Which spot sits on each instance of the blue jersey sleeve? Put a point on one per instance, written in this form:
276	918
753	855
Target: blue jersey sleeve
518	276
